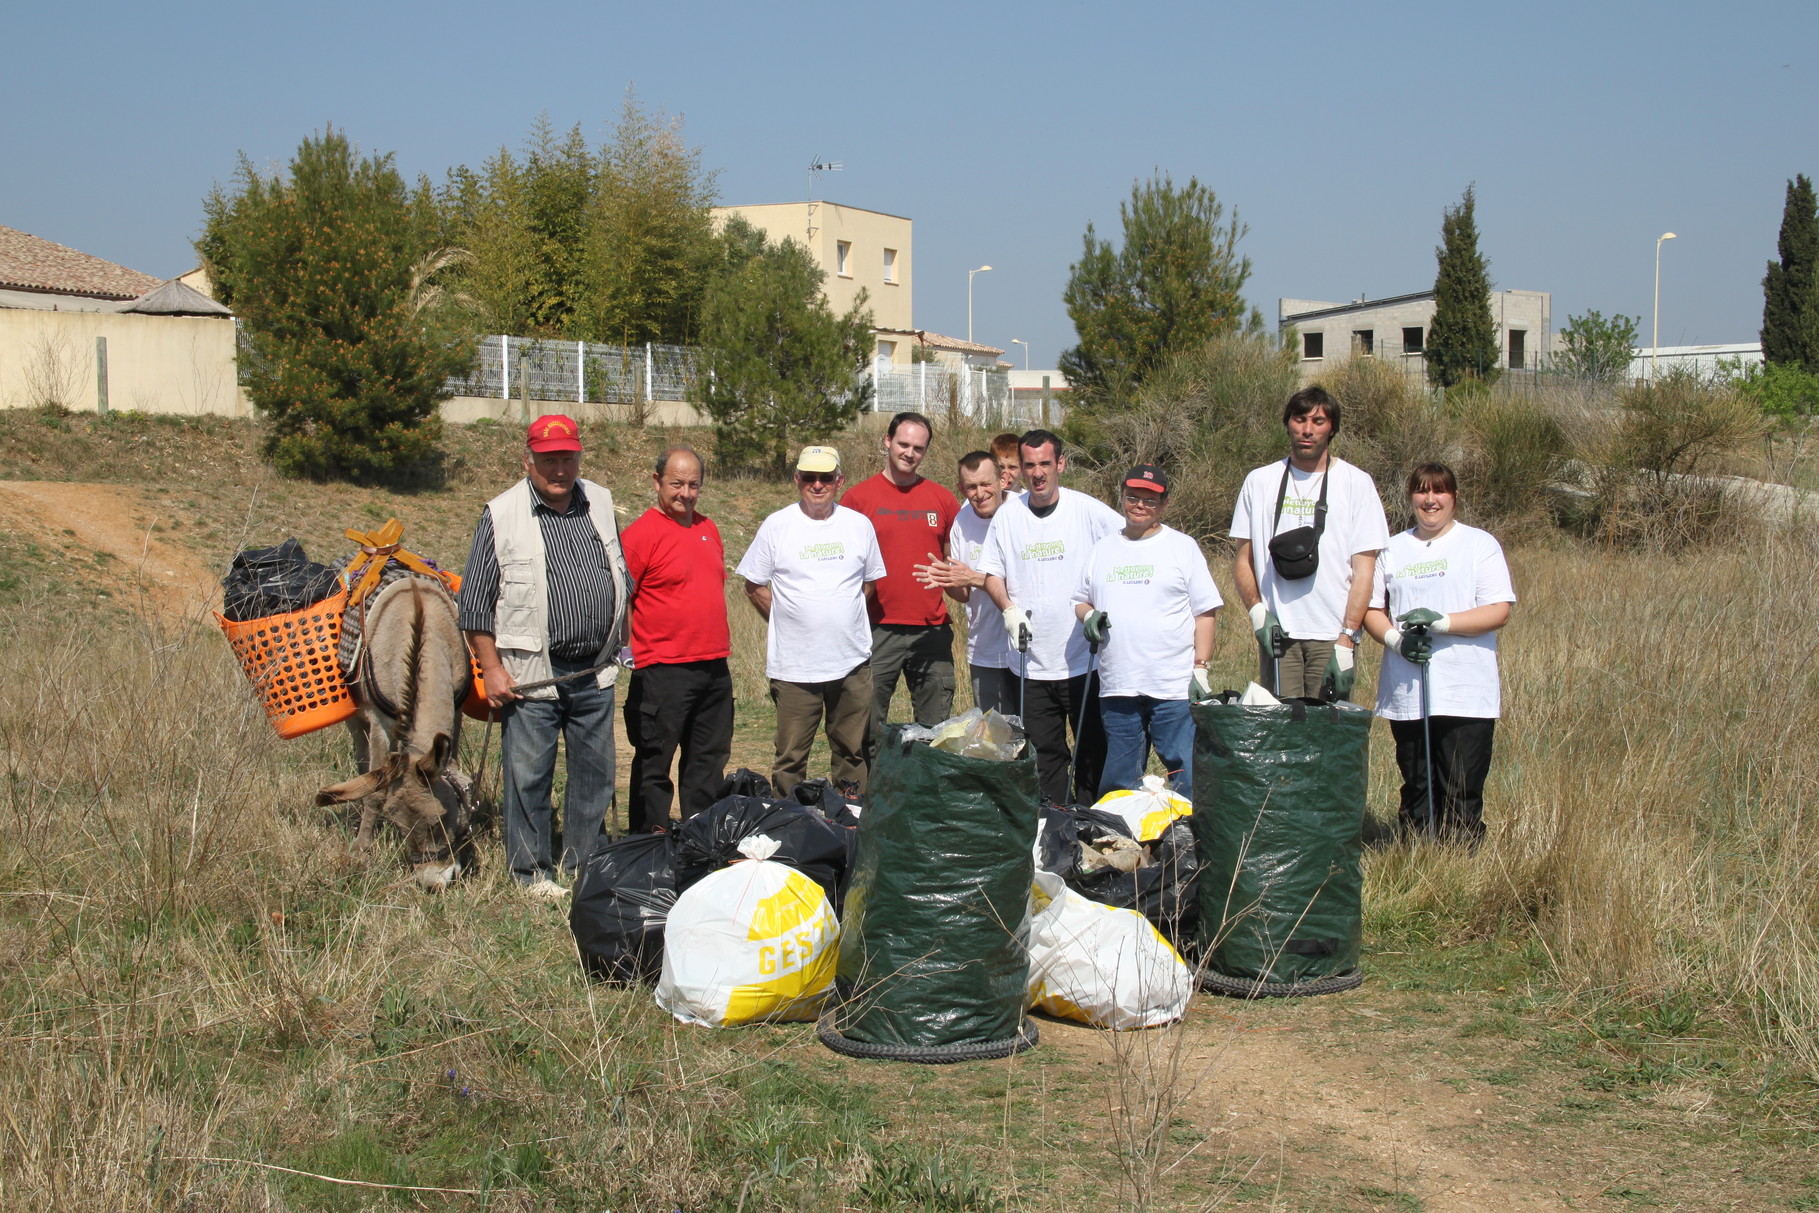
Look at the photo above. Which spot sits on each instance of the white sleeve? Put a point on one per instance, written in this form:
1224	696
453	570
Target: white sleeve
757	565
1371	529
991	553
1083	589
1202	590
874	556
1241	513
1491	575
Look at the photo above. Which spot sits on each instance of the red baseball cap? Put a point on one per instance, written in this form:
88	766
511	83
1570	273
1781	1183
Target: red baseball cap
553	432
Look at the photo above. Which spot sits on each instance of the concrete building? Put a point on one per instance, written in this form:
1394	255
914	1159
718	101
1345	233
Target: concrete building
1705	361
858	249
87	334
1397	328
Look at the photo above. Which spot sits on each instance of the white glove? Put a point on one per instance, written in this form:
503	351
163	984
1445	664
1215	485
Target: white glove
1203	683
1441	626
1258	613
1345	655
1392	637
1017	625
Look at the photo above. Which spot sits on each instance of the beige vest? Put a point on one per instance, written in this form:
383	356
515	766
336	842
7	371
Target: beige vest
521	613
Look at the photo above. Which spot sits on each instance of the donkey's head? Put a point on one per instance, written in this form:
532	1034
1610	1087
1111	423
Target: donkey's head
422	802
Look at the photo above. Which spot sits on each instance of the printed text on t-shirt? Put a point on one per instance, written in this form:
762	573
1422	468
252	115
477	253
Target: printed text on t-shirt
1131	574
823	551
1048	549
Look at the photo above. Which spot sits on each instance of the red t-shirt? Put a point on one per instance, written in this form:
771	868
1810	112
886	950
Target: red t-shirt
910	523
679	603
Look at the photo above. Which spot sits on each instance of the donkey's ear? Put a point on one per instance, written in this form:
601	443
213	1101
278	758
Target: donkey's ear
358	788
429	765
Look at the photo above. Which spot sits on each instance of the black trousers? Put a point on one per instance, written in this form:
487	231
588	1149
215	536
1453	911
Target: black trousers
1051	709
686	705
1462	759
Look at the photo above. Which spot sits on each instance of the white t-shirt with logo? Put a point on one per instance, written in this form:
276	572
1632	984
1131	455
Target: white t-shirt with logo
1462	569
986	646
1311	608
1041	560
1150	589
817	569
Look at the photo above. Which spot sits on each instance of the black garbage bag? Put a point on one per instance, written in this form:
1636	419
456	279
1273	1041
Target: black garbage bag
806	841
933	949
273	581
1278	819
822	796
1164	890
744	782
621	903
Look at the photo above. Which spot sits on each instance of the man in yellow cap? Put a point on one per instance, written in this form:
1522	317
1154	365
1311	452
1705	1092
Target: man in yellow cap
810	572
543	603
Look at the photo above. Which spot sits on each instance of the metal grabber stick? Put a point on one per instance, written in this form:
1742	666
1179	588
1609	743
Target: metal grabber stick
1427	745
1086	694
1023	674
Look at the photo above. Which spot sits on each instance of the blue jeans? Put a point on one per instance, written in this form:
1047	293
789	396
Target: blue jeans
1134	724
582	714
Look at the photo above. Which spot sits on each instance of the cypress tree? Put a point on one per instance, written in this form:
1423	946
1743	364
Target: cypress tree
1790	289
1462	340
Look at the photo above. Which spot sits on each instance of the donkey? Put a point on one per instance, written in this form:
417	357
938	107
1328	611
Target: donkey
410	680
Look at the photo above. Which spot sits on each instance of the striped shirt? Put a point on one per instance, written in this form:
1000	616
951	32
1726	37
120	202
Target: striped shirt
580	576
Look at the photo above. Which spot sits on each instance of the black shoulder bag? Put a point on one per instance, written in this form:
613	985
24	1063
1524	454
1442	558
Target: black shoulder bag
1296	553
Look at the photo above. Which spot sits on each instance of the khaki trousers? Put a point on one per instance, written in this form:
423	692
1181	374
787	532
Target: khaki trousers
846	706
1300	671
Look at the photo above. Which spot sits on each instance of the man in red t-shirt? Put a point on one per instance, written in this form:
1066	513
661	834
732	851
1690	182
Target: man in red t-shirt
681	692
910	631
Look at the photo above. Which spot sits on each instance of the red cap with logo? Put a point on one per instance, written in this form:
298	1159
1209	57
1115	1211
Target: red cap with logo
553	432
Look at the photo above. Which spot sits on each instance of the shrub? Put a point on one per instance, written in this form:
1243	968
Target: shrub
322	268
1515	450
1208	415
1389	422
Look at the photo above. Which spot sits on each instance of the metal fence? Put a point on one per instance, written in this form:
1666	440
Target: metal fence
939	390
586	372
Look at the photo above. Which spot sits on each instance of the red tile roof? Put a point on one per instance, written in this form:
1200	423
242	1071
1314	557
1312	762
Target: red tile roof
30	263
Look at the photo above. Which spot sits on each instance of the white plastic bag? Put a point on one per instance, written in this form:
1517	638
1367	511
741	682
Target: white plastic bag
754	941
1149	810
1101	965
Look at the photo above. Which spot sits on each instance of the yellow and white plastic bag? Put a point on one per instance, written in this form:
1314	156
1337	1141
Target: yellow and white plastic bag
1149	810
754	941
1101	965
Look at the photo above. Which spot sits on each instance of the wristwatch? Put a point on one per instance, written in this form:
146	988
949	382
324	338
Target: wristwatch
1354	634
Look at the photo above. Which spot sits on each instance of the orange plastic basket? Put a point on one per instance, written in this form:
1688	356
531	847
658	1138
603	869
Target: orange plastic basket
475	706
293	663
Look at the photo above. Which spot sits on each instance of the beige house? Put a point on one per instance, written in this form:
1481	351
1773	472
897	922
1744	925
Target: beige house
858	249
91	335
1397	327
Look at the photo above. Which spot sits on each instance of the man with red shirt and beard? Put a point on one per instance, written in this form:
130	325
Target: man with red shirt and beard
681	692
911	635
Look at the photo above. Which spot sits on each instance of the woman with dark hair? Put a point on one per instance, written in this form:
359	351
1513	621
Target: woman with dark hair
1442	590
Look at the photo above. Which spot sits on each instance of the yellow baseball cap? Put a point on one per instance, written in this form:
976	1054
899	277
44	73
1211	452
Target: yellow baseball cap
818	459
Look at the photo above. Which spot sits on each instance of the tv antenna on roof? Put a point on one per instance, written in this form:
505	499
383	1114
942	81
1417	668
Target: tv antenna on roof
816	167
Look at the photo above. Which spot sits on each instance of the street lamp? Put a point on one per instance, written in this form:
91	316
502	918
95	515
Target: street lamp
1654	354
969	299
1026	351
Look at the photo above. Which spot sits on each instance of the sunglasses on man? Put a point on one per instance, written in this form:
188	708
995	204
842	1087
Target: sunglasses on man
817	477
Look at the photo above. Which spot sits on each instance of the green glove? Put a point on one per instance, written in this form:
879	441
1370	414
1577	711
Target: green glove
1098	623
1421	617
1416	645
1341	673
1271	639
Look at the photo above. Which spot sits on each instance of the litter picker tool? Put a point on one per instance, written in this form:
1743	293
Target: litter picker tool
1086	693
1427	746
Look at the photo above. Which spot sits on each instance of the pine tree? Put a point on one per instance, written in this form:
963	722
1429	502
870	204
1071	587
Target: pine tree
1462	338
1790	290
1173	285
782	367
326	269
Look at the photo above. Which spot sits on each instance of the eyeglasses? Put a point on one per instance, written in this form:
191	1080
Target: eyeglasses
1153	503
817	477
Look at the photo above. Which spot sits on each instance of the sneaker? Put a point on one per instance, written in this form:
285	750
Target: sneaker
545	889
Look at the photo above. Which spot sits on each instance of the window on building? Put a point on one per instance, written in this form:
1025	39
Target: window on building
843	252
1364	342
1518	349
887	352
890	265
1411	341
1313	345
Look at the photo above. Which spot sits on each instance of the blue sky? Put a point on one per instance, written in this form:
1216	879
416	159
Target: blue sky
1338	131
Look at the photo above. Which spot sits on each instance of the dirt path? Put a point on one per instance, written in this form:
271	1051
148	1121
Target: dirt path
115	521
1335	1104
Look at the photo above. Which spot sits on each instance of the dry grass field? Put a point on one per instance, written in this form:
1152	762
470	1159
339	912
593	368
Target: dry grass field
206	1004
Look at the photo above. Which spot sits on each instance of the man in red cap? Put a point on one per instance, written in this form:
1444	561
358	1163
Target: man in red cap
544	603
